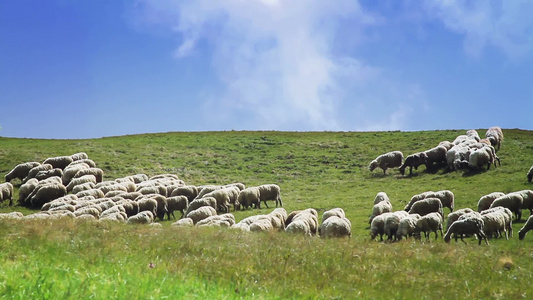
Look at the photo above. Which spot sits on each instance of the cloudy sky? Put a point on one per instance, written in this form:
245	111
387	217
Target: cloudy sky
88	69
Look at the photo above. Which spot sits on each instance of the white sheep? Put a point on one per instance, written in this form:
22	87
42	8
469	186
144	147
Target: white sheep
454	216
392	222
270	192
262	224
426	206
527	200
71	170
495	136
180	203
190	191
380	208
335	226
143	217
299	227
185	222
435	155
79	156
479	158
11	215
197	203
494	224
20	171
381	196
33	172
486	200
6	192
224	220
527	227
407	226
388	160
46	193
530	174
80	180
338	212
249	197
41	175
309	215
96	193
467	226
201	213
83	187
60	162
223	198
512	201
416	198
377	227
472	133
26	189
97	172
429	223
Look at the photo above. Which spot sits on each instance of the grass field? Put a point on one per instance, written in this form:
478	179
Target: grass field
72	259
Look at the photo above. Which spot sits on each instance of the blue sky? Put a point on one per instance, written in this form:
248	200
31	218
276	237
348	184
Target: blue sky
88	69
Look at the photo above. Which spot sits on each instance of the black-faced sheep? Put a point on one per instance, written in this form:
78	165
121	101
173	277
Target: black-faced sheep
413	161
20	171
385	161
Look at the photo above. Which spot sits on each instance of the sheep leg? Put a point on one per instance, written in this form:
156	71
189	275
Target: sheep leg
266	204
410	170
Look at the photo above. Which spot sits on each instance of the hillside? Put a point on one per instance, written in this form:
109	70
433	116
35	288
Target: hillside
321	170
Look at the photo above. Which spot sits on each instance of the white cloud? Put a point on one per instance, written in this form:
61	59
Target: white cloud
506	25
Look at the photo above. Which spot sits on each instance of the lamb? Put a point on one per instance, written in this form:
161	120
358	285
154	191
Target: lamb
529	174
431	222
248	197
335	226
391	159
495	136
467	226
60	162
381	196
201	213
454	216
71	170
413	161
426	206
485	201
527	227
98	173
174	203
143	217
270	192
6	192
197	203
33	172
512	201
407	226
20	171
46	193
435	155
185	222
380	208
392	221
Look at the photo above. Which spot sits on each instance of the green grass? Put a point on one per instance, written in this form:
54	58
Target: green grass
71	259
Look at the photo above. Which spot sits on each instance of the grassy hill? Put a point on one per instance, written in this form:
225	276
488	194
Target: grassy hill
317	169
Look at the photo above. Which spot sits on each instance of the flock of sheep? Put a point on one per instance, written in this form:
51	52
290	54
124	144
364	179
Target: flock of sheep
466	151
72	186
424	214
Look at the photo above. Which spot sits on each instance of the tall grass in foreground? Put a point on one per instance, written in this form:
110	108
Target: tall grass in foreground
70	259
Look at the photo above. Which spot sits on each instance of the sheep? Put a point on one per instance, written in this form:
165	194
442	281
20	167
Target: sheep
89	210
527	200
137	178
201	213
467	226
225	220
115	216
454	216
80	180
381	196
162	205
426	206
527	227
392	222
335	226
407	226
530	174
155	189
299	227
174	203
495	136
270	192
6	192
238	185
486	200
71	170
279	218
60	162
413	161
338	212
190	191
96	193
262	224
46	193
391	159
11	215
223	198
185	222
79	156
380	208
96	172
143	217
131	195
472	133
41	175
494	223
83	187
248	197
480	157
20	171
416	198
435	155
431	222
309	215
147	204
86	161
35	170
446	144
131	207
507	215
202	190
197	203
456	157
26	189
446	197
512	201
377	227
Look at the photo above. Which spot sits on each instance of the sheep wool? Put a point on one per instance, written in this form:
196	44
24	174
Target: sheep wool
385	161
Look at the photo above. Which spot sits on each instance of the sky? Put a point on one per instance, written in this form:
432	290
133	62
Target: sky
76	69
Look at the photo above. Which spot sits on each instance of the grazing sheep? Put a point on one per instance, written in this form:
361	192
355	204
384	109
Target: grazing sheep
426	206
96	172
131	207
495	136
95	193
380	208
416	198
262	224
446	144
472	133
202	190
527	200
467	226
512	201
391	159
6	192
270	192
60	162
174	203
494	223
162	205
456	157
338	212
381	196
429	223
80	180
238	185
309	215
479	158
527	227
435	155
224	220
407	226
11	215
89	210
79	156
26	189
485	201
446	197
201	213
413	161
299	227
507	215
20	171
83	187
335	226
197	203
86	161
185	222
46	193
147	204
190	191
33	172
143	217
41	175
71	170
223	198
392	222
454	216
530	174
377	227
249	197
